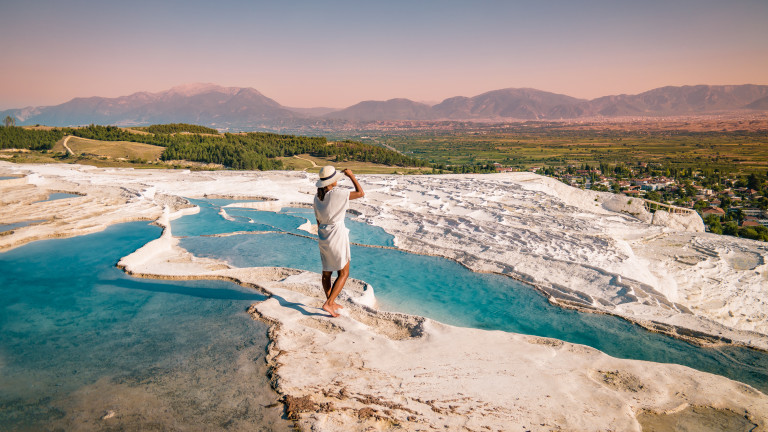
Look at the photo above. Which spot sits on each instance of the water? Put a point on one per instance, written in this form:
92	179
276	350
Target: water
79	338
208	221
12	226
58	195
445	291
7	177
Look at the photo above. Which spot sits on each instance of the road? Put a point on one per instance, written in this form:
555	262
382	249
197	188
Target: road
69	150
385	145
314	165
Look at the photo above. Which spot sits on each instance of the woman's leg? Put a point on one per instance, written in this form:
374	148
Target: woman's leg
327	283
330	305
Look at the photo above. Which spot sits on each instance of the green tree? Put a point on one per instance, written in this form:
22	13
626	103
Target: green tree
690	190
16	137
731	228
9	121
653	196
725	202
713	222
754	182
738	214
749	233
173	128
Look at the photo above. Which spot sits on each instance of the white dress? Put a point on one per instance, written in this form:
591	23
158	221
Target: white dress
333	234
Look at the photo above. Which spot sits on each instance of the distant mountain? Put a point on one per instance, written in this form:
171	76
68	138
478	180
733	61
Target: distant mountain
393	109
680	100
234	108
508	103
760	104
532	104
204	104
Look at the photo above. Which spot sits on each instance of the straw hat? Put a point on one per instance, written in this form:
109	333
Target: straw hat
328	175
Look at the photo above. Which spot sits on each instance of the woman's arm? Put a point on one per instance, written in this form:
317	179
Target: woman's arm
358	193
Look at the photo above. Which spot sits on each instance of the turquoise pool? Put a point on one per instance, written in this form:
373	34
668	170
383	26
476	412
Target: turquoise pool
58	196
80	339
446	291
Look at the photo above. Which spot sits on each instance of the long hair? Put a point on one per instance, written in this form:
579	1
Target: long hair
321	192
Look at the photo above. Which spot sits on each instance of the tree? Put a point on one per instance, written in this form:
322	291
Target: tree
689	189
762	203
738	215
754	233
731	228
725	202
9	121
653	196
713	222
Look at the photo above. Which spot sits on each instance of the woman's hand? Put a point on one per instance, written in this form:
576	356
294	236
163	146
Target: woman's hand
358	193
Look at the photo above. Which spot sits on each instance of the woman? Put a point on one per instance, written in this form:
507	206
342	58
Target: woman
330	206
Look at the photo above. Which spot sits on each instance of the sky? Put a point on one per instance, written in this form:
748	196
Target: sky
312	53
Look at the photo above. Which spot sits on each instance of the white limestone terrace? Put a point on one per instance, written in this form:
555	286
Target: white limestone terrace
376	370
585	249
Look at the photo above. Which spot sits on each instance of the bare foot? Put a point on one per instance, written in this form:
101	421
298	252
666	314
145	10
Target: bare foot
337	306
329	308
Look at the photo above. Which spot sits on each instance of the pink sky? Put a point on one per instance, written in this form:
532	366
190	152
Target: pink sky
338	53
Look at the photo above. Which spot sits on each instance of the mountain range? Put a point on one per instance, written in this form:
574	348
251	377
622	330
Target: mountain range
233	108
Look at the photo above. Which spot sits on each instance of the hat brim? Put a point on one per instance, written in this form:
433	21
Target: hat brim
336	177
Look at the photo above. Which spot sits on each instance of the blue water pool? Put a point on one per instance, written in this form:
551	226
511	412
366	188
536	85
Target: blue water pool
79	340
59	195
446	291
208	221
11	226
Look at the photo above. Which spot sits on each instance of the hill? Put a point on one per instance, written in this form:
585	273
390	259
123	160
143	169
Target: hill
125	150
532	104
681	101
393	109
528	104
239	109
249	151
205	104
760	104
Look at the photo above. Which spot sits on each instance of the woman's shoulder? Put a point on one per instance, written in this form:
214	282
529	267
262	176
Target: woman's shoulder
340	193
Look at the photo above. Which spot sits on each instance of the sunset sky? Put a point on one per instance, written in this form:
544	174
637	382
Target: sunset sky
337	53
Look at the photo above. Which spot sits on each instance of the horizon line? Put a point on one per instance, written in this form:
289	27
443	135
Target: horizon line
189	84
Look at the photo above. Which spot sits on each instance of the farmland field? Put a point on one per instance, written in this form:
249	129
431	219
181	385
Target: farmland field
313	164
526	145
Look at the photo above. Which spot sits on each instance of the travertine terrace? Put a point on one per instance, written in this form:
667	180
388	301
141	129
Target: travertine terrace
371	368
